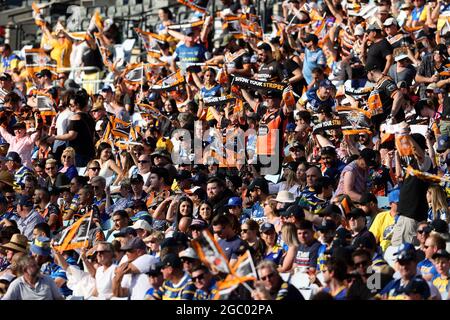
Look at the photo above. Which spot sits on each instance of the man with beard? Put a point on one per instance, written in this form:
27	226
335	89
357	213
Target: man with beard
259	191
218	195
32	285
331	165
313	57
270	69
48	210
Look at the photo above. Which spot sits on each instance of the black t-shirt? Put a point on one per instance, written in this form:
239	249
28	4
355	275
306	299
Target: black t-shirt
272	71
413	199
377	53
407	74
85	128
290	66
92	58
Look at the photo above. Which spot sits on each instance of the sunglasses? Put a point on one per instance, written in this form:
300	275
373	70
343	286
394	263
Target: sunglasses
199	277
66	157
50	168
269	276
143	161
95	187
94	168
244	230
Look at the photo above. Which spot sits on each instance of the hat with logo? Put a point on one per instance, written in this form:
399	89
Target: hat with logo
25	201
41	246
389	22
234	202
326	84
136	178
327	225
297	145
293	211
406	252
261	184
198	224
267	227
394	196
440	226
13	156
188	253
142	224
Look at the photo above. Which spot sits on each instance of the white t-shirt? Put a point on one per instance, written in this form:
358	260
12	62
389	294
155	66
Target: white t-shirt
103	281
62	123
137	284
142	263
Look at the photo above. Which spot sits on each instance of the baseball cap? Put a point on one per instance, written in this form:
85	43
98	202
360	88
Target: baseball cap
401	57
292	165
136	178
5	76
417	286
406	252
198	224
327	225
370	67
264	46
330	210
369	156
440	226
260	183
234	202
441	253
133	244
356	213
107	88
443	143
125	232
142	224
293	210
44	73
25	201
155	269
171	260
13	156
373	27
359	30
267	227
389	22
297	145
326	83
188	253
41	246
290	127
183	175
394	196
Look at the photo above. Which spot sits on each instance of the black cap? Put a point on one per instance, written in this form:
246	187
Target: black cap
267	227
371	67
418	286
406	252
264	46
365	242
297	145
5	76
169	243
155	269
292	165
330	210
44	73
311	37
356	213
369	156
171	260
198	224
260	183
126	232
441	253
25	201
13	156
294	210
136	178
439	226
366	198
181	238
133	244
327	225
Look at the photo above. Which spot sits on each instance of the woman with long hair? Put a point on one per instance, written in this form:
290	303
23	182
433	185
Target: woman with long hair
250	234
68	161
289	237
108	166
437	203
271	213
274	251
205	211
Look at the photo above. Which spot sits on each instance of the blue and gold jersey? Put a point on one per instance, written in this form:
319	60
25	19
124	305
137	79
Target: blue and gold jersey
442	284
184	290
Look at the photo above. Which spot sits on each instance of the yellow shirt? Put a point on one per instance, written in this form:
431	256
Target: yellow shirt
382	227
61	53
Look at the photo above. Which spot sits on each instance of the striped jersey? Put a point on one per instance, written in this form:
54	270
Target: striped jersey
183	290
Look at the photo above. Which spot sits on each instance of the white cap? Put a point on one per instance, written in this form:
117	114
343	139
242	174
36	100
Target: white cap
142	224
390	21
400	57
192	190
359	30
188	253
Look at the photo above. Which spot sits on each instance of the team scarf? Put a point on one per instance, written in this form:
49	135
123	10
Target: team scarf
327	125
37	60
169	83
354	120
196	5
182	26
428	176
76	236
37	15
218	101
151	42
244	82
